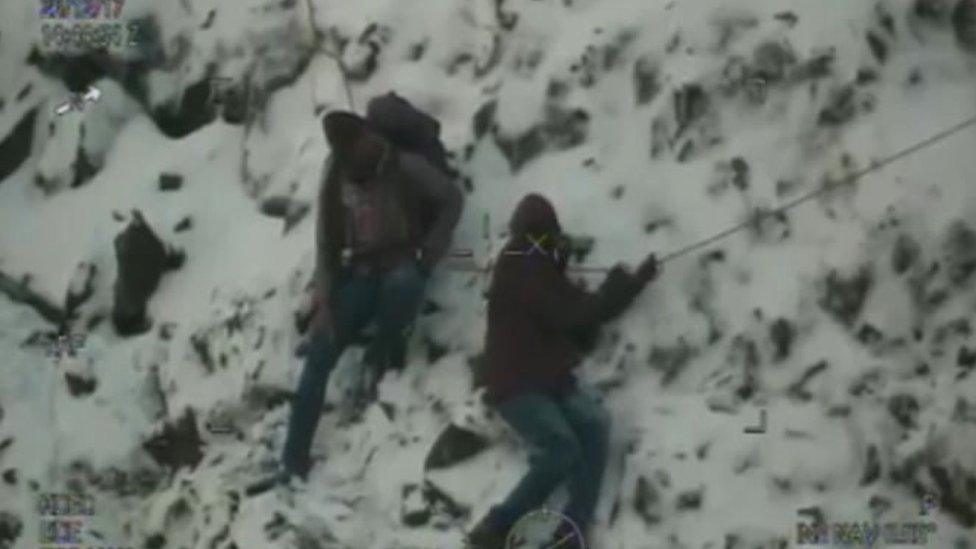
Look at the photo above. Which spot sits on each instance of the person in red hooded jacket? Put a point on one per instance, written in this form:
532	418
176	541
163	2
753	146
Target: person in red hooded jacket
536	316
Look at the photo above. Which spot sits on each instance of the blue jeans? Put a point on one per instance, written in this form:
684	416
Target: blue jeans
569	438
393	300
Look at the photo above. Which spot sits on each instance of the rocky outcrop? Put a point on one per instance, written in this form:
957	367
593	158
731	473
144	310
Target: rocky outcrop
142	260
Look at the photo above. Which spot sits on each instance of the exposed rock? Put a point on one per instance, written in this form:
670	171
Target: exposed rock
966	358
170	181
904	408
84	169
265	397
646	501
153	398
10	529
194	110
840	108
414	511
787	17
155	541
671	360
484	120
185	224
905	253
869	335
561	130
951	500
844	297
819	65
646	80
17	146
435	349
361	57
690	500
690	105
960	247
740	173
915	77
771	61
21	292
287	208
81	289
453	446
418	50
964	24
521	149
238	102
869	383
80	385
878	47
936	10
275	206
866	76
179	443
441	504
730	24
770	225
872	467
782	334
142	260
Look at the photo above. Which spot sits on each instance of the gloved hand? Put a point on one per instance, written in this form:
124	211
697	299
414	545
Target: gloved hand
322	320
620	286
649	269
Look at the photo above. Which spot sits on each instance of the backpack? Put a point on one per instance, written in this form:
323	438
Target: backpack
414	131
408	128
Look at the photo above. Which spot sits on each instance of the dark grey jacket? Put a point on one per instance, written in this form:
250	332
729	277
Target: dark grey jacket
427	197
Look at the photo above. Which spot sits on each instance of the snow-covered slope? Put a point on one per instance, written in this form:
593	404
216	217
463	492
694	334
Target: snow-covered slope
651	124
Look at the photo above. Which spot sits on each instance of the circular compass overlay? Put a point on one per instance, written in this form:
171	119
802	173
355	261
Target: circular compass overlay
545	529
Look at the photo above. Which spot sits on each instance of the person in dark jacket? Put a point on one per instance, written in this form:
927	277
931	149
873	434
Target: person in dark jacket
535	318
385	219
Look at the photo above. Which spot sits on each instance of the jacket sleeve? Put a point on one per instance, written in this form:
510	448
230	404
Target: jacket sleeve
435	186
561	307
323	269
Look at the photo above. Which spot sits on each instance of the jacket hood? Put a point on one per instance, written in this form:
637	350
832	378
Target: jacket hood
342	130
535	216
394	117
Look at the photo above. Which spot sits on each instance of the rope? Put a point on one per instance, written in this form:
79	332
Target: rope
850	179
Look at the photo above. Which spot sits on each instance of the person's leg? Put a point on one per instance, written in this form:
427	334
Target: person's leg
554	453
355	302
401	294
591	423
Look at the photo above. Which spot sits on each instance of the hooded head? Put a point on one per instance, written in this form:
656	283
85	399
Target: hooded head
359	149
535	220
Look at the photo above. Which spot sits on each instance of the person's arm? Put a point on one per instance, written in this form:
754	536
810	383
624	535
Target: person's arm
323	268
435	186
562	307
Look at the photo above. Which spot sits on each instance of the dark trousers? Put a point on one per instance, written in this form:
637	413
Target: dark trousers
569	441
393	300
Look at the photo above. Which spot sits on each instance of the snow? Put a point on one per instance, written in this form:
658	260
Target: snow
679	429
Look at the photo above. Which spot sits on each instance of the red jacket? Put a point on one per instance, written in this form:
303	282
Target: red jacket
535	312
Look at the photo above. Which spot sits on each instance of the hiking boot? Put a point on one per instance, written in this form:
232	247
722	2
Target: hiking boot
276	476
288	489
486	536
